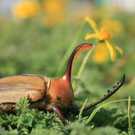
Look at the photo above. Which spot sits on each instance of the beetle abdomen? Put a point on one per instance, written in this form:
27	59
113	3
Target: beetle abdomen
15	87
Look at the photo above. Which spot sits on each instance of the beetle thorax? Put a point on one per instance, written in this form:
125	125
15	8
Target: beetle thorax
60	92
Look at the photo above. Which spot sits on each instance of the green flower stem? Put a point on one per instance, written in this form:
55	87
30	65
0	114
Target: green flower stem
83	65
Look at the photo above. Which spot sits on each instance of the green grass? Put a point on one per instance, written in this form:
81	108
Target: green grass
32	48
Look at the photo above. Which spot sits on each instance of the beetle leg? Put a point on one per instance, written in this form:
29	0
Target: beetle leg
57	111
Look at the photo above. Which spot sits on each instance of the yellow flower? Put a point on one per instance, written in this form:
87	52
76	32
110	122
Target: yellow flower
53	6
104	36
25	9
101	34
54	11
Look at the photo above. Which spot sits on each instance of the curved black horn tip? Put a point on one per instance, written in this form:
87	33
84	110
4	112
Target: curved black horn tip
123	79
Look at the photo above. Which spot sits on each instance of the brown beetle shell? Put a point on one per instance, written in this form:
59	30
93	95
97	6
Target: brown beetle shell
16	87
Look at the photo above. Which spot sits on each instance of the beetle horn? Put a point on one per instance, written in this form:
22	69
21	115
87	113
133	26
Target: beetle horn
76	51
114	89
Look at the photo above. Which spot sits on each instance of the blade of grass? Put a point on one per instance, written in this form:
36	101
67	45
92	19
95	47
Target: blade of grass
82	108
130	128
104	105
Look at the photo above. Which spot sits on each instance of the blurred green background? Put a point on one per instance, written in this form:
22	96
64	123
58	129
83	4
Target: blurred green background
36	36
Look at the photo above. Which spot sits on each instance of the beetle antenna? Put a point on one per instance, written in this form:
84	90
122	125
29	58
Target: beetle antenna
77	50
114	89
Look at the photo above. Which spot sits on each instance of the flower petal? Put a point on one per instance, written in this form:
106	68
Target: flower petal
111	51
90	36
100	53
92	23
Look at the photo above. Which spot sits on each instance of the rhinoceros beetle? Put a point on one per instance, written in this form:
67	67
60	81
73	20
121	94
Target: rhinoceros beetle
51	94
